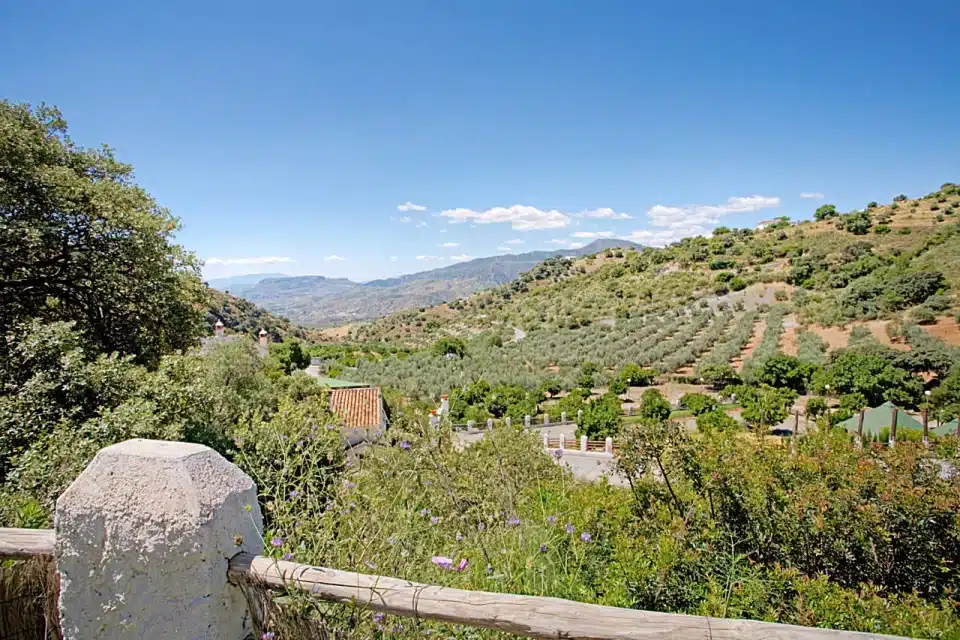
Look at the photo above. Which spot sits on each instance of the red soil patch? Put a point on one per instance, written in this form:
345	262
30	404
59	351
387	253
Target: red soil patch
947	329
788	340
838	337
758	329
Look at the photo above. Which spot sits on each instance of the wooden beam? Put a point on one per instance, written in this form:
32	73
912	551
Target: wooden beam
527	616
25	543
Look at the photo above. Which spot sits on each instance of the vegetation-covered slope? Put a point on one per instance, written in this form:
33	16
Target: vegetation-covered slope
242	316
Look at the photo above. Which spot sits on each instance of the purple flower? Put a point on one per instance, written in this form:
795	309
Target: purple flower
267	635
442	561
481	526
434	520
586	537
459	536
558	454
424	512
569	528
294	494
551	519
277	542
379	617
543	548
349	485
329	427
513	521
397	628
463	565
404	445
288	556
328	506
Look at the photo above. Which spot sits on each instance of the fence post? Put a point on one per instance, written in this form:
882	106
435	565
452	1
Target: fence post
926	429
470	426
489	424
546	419
526	422
434	418
629	410
507	421
563	416
546	440
860	427
608	445
563	442
583	443
580	418
895	413
143	538
796	422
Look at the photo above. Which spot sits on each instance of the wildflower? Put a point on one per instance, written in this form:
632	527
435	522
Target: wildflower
397	628
434	520
329	427
294	494
372	565
328	506
569	528
543	548
586	537
379	617
300	443
489	569
558	454
463	565
551	519
349	485
267	635
404	445
442	561
288	556
391	541
459	536
513	521
481	526
277	542
348	463
424	512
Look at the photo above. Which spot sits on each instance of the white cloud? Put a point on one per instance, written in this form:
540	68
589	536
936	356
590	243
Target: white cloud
812	195
393	258
514	241
520	217
605	213
594	234
502	248
460	258
430	258
334	257
449	245
409	206
421	224
253	260
673	223
576	245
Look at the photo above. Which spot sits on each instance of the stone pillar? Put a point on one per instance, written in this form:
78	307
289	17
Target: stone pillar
546	418
629	410
143	538
583	443
563	416
526	422
507	421
470	426
489	424
563	442
608	446
546	441
434	419
579	415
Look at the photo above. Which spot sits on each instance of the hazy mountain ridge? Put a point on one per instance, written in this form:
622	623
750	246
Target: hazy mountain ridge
322	301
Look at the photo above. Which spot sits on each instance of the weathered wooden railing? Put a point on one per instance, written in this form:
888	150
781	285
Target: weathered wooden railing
154	540
528	616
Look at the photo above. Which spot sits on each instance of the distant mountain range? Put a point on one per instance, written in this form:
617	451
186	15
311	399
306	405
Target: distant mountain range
322	301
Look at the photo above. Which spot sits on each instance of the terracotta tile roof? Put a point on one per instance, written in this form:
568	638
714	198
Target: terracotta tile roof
359	408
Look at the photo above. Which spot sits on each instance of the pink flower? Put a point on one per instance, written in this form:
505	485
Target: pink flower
463	565
442	561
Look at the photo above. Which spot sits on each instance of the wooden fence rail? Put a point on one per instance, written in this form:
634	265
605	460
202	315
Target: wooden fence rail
528	616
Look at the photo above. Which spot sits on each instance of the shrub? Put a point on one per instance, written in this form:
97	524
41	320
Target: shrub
601	418
724	276
780	295
825	212
881	229
721	263
738	284
654	406
698	403
905	231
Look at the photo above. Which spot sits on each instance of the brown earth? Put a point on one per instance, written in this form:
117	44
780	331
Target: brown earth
758	328
788	340
947	329
838	337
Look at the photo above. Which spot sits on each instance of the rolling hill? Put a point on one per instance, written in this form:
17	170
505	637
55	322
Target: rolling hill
322	301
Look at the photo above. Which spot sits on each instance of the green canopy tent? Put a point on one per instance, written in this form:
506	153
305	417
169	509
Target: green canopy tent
946	429
879	418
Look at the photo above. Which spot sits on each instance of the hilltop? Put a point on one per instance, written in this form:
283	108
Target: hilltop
322	301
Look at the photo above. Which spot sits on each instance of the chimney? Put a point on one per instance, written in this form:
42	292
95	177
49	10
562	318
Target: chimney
218	328
444	404
263	337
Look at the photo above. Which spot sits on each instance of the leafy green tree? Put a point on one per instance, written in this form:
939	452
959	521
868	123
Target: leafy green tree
80	241
858	223
290	355
785	371
552	387
589	368
573	402
870	375
698	403
654	406
636	376
719	375
585	381
715	420
448	345
816	407
601	417
825	211
946	398
764	406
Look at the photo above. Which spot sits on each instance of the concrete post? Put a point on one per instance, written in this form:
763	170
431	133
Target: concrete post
579	415
546	418
470	426
608	445
526	422
563	442
508	421
893	425
563	416
434	419
860	428
546	441
143	537
583	443
926	429
629	410
489	424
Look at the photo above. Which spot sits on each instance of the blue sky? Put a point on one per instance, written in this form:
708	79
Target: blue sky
286	135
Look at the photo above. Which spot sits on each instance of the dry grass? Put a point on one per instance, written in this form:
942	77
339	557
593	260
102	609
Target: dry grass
28	600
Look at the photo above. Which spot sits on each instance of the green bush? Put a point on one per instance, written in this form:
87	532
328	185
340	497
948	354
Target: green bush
698	403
